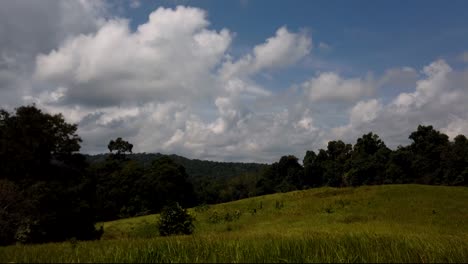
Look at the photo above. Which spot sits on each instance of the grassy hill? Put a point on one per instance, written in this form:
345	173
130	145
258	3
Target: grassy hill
390	223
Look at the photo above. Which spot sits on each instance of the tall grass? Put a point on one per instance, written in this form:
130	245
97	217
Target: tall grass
396	223
313	247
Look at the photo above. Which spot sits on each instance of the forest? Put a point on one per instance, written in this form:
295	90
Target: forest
49	191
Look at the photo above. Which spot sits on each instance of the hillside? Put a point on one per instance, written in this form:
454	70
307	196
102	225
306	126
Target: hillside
384	210
387	223
194	167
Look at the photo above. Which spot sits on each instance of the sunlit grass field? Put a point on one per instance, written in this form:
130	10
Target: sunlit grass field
389	223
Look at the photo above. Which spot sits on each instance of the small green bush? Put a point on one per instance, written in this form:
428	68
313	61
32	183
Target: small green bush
175	220
214	217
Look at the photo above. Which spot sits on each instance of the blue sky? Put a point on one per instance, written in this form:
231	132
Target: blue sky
364	35
239	80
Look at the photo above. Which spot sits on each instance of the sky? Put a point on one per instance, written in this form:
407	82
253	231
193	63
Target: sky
238	80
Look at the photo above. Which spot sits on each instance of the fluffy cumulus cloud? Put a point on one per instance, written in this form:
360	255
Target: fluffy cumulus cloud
30	27
438	99
281	50
236	134
329	86
171	85
171	56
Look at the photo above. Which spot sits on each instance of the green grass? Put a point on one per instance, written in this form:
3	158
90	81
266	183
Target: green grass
391	223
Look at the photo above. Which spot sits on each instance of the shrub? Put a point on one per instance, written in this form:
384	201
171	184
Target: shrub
214	217
175	220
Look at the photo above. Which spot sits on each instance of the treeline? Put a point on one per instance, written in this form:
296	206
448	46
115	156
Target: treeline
125	188
50	192
430	159
194	167
137	184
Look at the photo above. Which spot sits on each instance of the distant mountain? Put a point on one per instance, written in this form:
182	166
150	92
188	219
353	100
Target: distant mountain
194	167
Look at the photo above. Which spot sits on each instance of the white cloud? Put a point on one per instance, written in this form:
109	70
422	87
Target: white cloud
30	27
164	87
171	127
329	86
456	126
282	50
439	99
426	89
365	111
170	56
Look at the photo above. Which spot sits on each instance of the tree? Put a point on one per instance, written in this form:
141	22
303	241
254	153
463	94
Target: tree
428	147
120	146
455	162
12	207
38	153
313	173
175	220
290	172
398	169
368	160
334	162
30	140
116	190
282	176
165	182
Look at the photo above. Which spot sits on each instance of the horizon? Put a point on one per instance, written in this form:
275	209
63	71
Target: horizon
238	81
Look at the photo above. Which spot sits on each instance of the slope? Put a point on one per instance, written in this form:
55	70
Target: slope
388	223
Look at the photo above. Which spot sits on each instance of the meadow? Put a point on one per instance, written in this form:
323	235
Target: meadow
386	223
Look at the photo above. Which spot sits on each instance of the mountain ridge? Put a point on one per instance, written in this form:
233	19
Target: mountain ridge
194	167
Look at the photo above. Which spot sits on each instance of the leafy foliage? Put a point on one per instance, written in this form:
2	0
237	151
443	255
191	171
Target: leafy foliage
121	147
282	176
430	159
367	161
47	194
175	220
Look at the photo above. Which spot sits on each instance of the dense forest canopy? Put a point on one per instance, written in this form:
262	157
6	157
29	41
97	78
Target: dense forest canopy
194	167
51	192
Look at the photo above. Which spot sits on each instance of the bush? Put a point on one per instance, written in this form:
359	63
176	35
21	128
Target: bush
214	217
175	220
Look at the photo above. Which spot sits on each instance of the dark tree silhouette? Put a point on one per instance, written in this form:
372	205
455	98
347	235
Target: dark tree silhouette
38	154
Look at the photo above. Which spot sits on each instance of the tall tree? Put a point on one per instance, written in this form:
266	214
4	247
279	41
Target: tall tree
335	162
428	147
30	140
38	153
313	173
367	161
455	162
164	182
282	176
398	169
